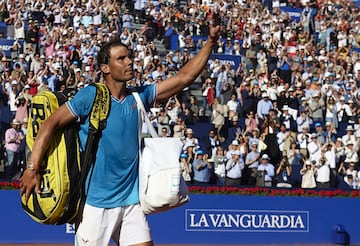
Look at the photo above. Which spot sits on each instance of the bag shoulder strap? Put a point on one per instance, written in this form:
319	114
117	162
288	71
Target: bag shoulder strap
97	122
143	115
100	109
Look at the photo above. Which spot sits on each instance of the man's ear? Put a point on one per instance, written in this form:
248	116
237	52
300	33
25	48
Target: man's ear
105	68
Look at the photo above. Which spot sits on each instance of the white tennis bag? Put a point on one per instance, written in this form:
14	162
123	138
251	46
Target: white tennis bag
161	185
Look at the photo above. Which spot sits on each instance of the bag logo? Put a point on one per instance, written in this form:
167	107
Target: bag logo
38	116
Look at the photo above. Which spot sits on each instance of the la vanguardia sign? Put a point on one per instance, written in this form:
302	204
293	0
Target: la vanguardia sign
246	220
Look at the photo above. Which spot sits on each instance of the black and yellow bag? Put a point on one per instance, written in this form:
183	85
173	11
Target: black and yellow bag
63	171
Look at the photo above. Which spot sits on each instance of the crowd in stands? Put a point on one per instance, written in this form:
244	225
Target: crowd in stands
287	116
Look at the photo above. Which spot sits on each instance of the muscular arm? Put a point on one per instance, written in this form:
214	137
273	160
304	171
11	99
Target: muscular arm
57	120
188	73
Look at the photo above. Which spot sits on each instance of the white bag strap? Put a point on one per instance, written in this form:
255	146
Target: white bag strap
144	116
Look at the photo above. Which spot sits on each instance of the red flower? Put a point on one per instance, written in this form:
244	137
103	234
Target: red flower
265	191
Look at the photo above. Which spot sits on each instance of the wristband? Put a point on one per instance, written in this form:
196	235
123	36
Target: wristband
31	166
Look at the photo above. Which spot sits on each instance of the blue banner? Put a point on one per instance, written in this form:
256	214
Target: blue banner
294	13
6	44
225	59
213	219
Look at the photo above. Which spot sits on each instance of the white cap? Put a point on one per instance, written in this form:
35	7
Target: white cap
349	128
265	156
15	122
234	142
285	107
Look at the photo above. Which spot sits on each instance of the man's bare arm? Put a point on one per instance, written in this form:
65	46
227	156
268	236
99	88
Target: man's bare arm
193	68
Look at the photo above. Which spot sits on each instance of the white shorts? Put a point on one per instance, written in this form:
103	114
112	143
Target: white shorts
125	225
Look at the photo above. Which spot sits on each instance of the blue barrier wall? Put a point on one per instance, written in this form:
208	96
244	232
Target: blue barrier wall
212	219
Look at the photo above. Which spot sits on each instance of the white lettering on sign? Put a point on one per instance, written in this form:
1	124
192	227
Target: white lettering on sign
241	220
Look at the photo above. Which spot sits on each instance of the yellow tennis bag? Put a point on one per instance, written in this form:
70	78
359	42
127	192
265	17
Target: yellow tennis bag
63	171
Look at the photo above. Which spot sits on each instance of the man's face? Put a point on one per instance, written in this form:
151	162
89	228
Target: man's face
282	128
120	67
15	126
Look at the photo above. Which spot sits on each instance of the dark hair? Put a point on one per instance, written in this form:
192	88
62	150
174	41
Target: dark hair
103	56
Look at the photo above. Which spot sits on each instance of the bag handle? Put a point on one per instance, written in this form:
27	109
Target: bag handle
144	116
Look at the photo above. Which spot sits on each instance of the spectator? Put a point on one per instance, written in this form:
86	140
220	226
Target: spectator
350	154
303	139
349	136
164	132
251	122
190	140
287	118
127	20
281	136
294	155
329	155
173	109
179	128
266	172
13	138
218	119
322	173
283	174
194	107
351	182
251	164
234	167
22	102
186	168
263	108
329	132
163	121
321	135
308	175
234	146
316	106
314	149
219	165
233	106
304	120
202	169
331	112
211	143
